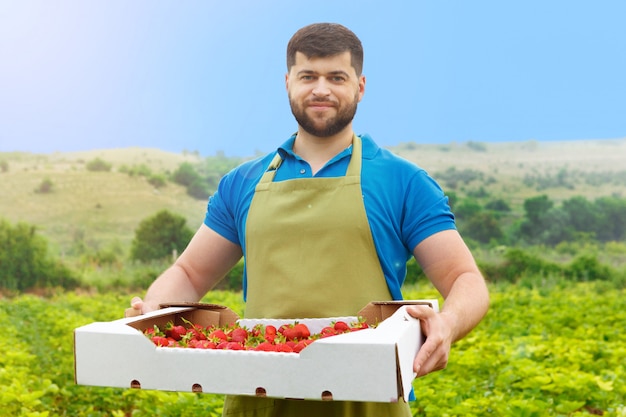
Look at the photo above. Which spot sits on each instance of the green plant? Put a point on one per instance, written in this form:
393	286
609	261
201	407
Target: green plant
159	236
25	263
98	164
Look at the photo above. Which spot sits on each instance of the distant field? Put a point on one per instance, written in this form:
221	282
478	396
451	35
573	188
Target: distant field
99	207
105	207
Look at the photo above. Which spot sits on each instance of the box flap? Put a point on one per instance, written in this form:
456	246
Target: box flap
377	311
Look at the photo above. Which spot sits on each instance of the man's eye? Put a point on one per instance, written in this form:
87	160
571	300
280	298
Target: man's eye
338	79
306	77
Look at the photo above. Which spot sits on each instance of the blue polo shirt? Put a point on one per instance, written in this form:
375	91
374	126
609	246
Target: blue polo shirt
403	204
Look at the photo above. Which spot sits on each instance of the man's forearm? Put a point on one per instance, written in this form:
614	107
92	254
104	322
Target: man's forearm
173	285
467	303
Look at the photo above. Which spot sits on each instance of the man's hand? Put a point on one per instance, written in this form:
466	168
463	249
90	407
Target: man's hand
434	353
138	307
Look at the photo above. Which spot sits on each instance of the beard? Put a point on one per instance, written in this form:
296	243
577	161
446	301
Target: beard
326	127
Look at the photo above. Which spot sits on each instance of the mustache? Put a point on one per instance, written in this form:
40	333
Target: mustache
320	101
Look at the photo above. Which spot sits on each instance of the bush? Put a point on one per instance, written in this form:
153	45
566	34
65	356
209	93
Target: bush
157	181
45	187
25	263
98	165
158	236
185	175
198	189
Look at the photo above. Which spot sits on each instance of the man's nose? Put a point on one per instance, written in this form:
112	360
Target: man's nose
321	87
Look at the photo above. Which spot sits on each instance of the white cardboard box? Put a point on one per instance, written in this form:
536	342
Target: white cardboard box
367	365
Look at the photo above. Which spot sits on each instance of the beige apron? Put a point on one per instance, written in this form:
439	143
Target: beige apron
310	253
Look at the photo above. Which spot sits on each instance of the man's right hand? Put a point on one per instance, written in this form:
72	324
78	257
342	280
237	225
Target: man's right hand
138	307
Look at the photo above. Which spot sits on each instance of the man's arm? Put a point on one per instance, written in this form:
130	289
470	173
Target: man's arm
205	261
448	263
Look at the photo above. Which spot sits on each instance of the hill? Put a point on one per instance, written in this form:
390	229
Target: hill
92	208
102	208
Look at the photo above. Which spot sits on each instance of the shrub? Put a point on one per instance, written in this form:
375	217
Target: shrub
45	187
24	261
98	165
159	235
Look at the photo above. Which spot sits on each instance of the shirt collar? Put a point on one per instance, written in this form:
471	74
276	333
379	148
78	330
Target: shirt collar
370	148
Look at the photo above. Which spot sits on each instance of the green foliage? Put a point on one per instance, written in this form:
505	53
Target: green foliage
98	164
452	177
198	189
498	205
483	227
562	179
46	186
159	235
477	146
577	218
185	175
157	180
24	260
540	351
520	266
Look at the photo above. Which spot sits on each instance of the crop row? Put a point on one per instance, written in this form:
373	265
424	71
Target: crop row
552	351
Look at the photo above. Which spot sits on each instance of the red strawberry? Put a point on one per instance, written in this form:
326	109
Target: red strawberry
265	347
160	341
328	331
218	335
301	345
283	347
270	330
234	346
239	335
175	332
305	333
341	326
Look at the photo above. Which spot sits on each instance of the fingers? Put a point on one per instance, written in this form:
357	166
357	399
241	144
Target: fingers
421	312
433	354
136	303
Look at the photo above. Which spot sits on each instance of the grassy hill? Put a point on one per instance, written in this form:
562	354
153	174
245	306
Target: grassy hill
98	208
101	208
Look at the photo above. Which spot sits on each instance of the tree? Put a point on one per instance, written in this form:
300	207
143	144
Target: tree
98	165
24	260
185	175
537	209
483	227
159	235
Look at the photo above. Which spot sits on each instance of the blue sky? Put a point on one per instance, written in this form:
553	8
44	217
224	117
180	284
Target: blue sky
208	75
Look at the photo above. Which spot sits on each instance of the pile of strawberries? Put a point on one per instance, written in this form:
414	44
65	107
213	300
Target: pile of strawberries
290	338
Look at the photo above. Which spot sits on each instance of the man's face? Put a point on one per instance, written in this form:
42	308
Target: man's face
324	93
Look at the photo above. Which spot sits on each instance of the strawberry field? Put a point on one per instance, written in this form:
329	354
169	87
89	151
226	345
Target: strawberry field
556	350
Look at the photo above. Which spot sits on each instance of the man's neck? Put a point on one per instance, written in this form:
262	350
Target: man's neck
318	151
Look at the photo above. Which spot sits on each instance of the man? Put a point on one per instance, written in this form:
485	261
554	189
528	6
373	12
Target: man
327	223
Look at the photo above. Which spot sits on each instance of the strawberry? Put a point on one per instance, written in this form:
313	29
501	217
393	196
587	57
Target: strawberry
265	347
160	341
341	326
302	344
270	330
305	333
218	335
233	346
359	325
283	347
239	335
295	331
175	332
328	331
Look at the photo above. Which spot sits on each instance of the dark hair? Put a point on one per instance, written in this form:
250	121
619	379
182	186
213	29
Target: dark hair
323	40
